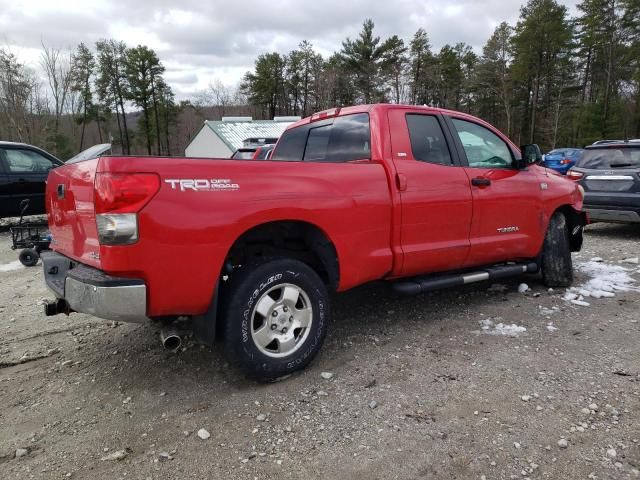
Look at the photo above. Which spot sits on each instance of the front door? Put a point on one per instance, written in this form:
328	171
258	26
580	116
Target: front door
27	173
5	209
507	207
434	191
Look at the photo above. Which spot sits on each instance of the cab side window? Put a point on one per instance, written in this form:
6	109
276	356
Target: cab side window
26	161
484	149
427	139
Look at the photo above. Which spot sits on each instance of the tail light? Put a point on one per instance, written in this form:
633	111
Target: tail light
574	175
117	199
332	112
565	161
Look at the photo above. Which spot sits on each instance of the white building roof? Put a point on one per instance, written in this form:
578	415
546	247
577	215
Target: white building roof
233	131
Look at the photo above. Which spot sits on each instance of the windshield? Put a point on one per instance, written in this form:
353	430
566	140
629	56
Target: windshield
91	152
599	158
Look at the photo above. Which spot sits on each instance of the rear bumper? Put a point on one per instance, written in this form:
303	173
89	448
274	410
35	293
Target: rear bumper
89	290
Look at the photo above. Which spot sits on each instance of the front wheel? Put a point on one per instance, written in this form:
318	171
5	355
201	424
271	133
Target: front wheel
557	267
276	318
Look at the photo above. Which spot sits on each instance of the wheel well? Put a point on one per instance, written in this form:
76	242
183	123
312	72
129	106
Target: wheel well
293	239
575	223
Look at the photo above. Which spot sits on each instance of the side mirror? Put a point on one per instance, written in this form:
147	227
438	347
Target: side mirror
530	154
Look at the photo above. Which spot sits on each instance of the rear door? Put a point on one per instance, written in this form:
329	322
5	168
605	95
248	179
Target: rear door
336	167
507	202
435	193
27	172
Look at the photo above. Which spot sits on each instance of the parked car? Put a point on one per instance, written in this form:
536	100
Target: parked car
263	153
610	176
421	197
562	159
23	174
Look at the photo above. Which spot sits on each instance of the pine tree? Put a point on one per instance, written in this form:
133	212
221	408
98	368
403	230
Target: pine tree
82	72
111	84
143	71
365	57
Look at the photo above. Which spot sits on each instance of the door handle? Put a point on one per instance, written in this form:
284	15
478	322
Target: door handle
401	181
480	182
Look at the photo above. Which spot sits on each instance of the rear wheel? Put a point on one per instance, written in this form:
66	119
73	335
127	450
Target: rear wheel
557	267
276	318
29	257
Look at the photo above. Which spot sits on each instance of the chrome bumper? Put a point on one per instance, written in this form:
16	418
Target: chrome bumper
91	291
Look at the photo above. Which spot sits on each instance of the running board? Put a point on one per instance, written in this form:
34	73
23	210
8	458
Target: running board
416	285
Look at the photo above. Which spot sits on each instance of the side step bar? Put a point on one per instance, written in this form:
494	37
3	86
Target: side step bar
416	285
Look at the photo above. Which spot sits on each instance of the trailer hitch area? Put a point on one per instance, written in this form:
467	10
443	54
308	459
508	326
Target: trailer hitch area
56	307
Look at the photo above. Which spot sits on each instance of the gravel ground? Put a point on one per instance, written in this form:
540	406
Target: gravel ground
403	388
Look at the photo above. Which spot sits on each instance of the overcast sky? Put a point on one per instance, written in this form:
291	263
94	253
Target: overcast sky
204	40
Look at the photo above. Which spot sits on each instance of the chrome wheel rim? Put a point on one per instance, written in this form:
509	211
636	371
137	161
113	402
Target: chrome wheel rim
281	320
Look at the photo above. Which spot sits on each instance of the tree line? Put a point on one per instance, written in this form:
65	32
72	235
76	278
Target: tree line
103	89
549	79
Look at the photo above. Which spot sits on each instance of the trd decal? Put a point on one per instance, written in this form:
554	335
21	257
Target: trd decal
202	184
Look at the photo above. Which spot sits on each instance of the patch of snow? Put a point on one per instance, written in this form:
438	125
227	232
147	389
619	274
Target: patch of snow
548	311
15	265
490	328
523	287
597	259
580	303
634	260
551	327
605	281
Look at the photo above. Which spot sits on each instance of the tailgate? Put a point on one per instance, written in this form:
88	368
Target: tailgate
71	214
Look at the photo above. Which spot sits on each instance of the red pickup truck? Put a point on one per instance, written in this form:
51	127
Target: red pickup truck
423	197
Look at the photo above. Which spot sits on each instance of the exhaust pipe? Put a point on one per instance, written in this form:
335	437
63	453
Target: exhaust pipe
56	307
171	339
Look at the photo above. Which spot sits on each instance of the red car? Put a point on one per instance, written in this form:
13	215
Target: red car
421	197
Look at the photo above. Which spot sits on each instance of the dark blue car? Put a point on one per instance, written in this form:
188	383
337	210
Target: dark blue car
562	159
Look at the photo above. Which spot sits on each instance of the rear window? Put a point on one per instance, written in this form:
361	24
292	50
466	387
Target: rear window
565	152
427	139
605	158
336	140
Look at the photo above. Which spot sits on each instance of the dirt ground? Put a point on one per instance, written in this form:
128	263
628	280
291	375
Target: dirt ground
419	388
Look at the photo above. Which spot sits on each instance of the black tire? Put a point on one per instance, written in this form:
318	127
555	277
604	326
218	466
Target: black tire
557	267
247	287
29	257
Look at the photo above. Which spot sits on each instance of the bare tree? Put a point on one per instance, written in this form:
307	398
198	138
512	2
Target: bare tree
57	67
217	95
